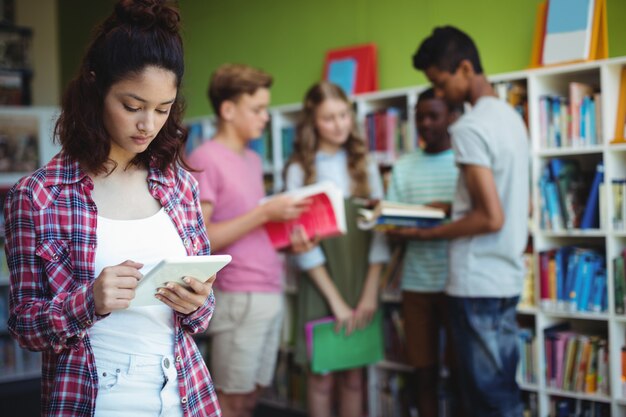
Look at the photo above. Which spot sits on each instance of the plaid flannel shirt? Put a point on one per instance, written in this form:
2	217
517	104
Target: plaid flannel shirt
51	240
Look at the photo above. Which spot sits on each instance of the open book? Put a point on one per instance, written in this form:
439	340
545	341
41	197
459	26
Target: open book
388	215
324	218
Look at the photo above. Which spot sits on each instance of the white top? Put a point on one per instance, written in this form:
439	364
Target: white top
491	135
421	178
137	330
334	167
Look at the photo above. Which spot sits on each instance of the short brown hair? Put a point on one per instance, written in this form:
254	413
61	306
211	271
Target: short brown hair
230	81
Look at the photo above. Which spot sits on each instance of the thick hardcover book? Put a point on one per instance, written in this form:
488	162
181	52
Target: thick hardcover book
325	217
332	351
389	214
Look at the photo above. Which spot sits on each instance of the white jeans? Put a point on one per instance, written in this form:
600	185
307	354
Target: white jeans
138	386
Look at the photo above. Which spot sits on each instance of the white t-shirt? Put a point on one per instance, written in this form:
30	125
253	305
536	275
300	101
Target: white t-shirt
145	330
492	135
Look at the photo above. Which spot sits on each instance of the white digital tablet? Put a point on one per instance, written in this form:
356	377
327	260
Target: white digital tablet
173	270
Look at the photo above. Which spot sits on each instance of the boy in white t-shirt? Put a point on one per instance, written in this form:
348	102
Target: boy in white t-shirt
489	227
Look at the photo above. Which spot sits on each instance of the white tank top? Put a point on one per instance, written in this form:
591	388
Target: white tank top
145	330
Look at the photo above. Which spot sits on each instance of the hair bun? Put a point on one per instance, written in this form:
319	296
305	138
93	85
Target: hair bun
147	14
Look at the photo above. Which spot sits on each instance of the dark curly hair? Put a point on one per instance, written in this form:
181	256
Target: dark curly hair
445	48
138	34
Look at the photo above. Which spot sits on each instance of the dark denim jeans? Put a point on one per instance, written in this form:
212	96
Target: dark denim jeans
484	333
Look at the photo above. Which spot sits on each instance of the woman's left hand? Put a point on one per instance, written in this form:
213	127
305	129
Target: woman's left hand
366	309
185	300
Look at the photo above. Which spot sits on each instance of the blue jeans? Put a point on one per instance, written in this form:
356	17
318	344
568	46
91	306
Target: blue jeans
484	333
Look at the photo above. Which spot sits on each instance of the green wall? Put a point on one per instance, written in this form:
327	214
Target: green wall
288	38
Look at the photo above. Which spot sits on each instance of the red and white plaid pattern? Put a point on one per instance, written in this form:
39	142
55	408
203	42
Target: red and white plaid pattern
50	230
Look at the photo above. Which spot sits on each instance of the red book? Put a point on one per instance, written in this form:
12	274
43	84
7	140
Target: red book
324	218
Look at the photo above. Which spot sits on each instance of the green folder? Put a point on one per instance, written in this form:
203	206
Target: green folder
331	351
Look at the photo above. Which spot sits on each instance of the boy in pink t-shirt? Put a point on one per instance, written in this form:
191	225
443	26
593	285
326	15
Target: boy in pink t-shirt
249	304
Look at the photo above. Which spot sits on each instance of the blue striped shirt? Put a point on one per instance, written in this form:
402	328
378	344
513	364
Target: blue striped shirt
421	178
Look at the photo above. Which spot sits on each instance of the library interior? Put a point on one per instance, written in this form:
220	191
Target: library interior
439	221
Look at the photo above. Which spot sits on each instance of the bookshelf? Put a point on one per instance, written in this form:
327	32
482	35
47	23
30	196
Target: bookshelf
26	135
527	91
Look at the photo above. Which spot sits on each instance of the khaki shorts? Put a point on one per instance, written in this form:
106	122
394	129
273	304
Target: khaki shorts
425	314
245	331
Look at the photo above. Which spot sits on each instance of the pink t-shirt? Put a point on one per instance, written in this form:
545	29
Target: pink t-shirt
233	183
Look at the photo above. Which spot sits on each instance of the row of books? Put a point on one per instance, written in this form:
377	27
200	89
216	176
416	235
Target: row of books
576	362
516	94
386	135
573	279
575	407
569	197
574	121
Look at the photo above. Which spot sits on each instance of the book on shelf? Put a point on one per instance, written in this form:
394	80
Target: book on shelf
623	373
263	146
527	297
394	335
619	282
392	274
526	346
619	135
389	215
329	350
591	215
288	136
324	218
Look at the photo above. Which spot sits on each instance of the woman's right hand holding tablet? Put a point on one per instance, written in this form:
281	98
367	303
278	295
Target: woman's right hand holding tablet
115	286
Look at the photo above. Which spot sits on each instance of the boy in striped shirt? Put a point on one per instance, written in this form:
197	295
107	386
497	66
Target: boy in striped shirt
426	176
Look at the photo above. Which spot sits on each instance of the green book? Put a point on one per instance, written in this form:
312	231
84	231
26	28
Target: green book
330	351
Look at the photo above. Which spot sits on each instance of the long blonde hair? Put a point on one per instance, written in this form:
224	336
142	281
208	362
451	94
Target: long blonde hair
306	143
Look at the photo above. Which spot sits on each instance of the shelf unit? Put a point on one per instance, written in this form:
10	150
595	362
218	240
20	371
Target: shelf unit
16	124
604	75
